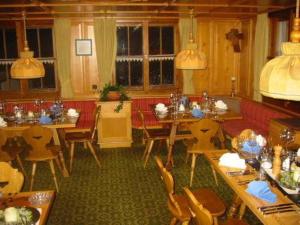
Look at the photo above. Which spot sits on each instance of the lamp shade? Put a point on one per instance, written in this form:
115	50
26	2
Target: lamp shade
190	58
27	67
280	77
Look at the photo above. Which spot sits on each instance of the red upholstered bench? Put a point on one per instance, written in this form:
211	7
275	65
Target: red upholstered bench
145	104
256	116
86	108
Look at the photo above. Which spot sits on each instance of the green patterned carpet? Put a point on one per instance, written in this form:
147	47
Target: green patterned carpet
121	192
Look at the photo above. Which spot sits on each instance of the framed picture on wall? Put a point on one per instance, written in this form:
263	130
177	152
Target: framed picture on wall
83	47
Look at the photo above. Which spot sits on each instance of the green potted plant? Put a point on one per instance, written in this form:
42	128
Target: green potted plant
112	92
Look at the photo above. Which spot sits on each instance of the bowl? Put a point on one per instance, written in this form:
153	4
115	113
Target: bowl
39	198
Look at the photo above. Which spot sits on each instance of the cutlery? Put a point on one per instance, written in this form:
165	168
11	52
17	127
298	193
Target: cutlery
239	173
281	211
275	206
243	182
278	208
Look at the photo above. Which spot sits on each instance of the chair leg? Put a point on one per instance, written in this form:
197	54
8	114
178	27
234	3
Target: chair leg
216	220
215	175
151	142
85	146
173	221
72	147
146	149
58	163
32	175
89	144
21	165
242	210
194	157
53	174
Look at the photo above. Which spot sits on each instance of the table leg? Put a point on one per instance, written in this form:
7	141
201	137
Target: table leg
169	163
234	206
56	140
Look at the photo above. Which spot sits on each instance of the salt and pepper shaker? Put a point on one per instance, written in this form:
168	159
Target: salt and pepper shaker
277	161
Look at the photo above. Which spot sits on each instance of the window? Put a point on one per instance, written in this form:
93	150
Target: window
133	68
129	65
161	55
40	41
8	54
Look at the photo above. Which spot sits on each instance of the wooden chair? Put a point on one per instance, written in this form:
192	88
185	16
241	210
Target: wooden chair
203	131
202	214
178	204
86	138
38	138
152	135
9	153
11	178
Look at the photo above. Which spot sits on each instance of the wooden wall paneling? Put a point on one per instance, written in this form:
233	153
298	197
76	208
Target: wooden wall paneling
201	77
91	66
225	62
77	66
245	81
84	70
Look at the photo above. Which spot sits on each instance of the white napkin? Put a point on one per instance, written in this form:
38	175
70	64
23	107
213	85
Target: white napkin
160	107
220	105
72	112
260	140
232	160
2	122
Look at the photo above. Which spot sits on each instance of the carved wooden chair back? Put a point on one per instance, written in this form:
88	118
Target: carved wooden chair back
202	215
13	177
204	130
38	137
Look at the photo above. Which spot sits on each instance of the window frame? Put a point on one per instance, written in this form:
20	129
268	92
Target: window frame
25	92
147	87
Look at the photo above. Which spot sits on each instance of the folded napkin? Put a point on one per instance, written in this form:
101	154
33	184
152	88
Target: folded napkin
160	106
45	120
232	160
220	105
72	112
3	123
261	141
248	147
197	113
260	189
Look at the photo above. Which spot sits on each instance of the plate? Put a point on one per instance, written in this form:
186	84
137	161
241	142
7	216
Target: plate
35	215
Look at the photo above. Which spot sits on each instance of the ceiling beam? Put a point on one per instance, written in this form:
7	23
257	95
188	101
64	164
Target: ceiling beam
138	4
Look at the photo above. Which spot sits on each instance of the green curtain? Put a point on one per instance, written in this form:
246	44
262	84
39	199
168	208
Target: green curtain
62	33
261	48
184	31
106	47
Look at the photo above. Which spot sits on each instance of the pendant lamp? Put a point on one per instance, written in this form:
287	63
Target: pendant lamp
27	67
280	77
191	58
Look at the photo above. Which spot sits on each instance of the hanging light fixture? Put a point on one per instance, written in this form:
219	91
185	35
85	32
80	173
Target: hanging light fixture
280	77
26	67
191	58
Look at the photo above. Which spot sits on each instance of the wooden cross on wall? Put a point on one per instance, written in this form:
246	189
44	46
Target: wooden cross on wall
234	36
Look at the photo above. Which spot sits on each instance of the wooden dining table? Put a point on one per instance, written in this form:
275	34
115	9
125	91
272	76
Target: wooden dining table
175	120
239	185
15	129
22	199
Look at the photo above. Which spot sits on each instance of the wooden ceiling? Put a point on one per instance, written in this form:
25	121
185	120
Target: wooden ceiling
167	9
